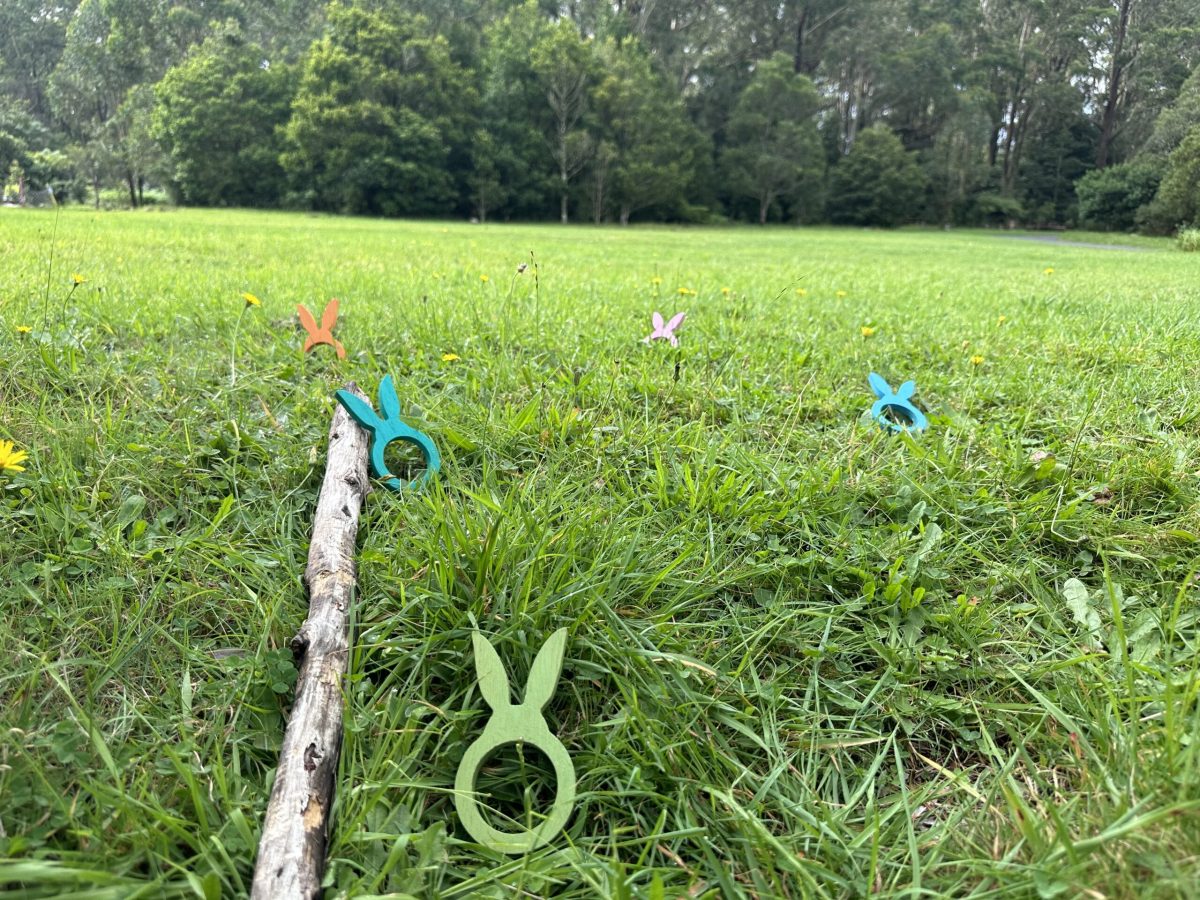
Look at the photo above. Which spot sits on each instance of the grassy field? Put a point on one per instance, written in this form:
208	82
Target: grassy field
806	658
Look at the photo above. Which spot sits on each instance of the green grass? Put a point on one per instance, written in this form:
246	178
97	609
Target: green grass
806	658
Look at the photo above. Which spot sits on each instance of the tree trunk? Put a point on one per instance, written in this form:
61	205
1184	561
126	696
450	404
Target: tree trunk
798	56
1112	99
133	203
1012	160
96	188
563	169
598	187
291	852
764	206
625	212
855	111
1013	131
141	191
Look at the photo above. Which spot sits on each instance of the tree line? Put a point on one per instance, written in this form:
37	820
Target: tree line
876	112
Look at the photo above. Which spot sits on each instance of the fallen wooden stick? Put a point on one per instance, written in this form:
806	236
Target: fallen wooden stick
291	852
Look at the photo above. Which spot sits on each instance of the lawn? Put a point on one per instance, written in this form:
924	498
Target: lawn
806	657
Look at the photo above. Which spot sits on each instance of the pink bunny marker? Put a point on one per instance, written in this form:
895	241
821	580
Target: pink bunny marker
666	331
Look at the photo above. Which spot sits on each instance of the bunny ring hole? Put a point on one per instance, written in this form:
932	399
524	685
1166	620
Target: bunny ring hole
897	414
405	460
519	797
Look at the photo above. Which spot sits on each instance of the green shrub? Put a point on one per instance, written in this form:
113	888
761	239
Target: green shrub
1109	198
1188	240
992	208
1156	219
52	169
878	182
1177	203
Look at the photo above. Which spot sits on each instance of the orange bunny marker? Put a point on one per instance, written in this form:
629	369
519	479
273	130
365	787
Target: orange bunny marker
324	334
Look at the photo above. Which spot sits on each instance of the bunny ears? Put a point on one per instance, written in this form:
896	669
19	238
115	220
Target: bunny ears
324	333
387	429
665	330
543	674
521	723
897	403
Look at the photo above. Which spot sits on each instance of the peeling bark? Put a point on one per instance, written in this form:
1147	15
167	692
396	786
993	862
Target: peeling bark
291	852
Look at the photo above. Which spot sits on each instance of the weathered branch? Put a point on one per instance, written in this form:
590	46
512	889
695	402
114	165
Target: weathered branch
291	852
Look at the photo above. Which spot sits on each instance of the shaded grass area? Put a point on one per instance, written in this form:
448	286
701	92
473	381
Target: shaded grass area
806	658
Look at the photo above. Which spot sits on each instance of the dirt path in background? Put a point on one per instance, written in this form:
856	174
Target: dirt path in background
1055	239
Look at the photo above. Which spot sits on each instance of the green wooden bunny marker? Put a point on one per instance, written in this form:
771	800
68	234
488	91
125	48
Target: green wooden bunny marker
509	724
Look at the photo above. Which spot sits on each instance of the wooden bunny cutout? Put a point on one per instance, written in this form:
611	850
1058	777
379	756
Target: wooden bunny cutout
898	403
665	331
387	428
520	723
324	334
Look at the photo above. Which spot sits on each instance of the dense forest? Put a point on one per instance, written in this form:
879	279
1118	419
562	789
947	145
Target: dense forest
1045	113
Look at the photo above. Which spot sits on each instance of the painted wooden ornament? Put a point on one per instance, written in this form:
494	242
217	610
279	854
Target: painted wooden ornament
520	724
390	428
665	331
324	333
898	404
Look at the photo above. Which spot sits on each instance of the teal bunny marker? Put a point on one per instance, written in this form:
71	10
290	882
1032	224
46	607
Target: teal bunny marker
390	428
896	402
522	723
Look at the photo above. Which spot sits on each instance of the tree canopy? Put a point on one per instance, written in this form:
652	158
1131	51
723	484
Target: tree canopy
612	110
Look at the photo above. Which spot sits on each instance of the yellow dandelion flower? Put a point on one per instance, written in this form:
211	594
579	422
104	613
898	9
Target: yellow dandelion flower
1002	320
1047	271
840	294
656	281
484	279
450	357
11	457
23	329
78	279
726	291
683	292
977	360
801	292
867	331
250	299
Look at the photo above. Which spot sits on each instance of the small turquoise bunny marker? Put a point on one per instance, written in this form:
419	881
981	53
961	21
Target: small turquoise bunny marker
521	724
897	403
390	428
